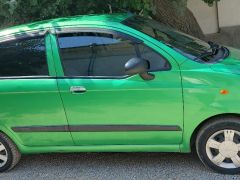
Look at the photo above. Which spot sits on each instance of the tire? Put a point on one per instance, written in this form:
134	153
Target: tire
9	153
218	145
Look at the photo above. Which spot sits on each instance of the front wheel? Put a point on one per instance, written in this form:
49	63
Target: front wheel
218	145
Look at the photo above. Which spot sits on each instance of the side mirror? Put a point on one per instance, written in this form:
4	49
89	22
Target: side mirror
138	66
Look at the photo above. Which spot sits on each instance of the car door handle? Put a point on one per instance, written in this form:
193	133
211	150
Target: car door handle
77	89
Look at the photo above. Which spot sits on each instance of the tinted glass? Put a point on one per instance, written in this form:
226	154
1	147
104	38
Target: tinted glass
25	57
95	54
156	61
101	54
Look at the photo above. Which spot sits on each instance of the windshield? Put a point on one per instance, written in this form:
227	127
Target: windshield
187	45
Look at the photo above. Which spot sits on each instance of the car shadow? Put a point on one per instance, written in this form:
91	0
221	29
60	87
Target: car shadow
112	166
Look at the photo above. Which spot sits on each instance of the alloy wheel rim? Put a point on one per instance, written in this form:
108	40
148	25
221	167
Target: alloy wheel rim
223	149
3	155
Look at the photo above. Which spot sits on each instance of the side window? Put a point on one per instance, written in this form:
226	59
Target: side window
101	54
95	54
23	57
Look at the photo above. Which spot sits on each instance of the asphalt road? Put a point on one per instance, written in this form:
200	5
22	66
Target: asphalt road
112	166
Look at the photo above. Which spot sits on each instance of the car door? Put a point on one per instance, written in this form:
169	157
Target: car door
30	106
103	105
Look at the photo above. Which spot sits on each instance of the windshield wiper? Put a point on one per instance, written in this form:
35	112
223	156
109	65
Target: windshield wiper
214	50
214	46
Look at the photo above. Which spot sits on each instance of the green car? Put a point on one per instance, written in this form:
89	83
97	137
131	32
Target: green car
117	83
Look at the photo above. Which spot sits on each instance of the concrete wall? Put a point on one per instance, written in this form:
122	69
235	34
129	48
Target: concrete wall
225	13
229	13
205	15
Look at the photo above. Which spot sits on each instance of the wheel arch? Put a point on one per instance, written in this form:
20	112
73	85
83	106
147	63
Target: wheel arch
209	120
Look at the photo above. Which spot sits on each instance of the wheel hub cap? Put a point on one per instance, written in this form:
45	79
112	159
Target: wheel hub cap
228	149
3	155
223	149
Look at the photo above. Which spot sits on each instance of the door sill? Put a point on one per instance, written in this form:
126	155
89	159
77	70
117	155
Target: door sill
100	148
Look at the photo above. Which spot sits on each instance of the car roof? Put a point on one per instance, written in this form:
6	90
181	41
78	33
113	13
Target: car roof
67	21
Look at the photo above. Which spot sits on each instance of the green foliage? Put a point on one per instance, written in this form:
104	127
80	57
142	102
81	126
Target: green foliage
21	11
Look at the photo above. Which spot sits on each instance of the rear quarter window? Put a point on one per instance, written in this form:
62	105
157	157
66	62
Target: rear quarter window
23	57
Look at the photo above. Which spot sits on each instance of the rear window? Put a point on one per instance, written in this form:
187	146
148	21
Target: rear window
23	57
